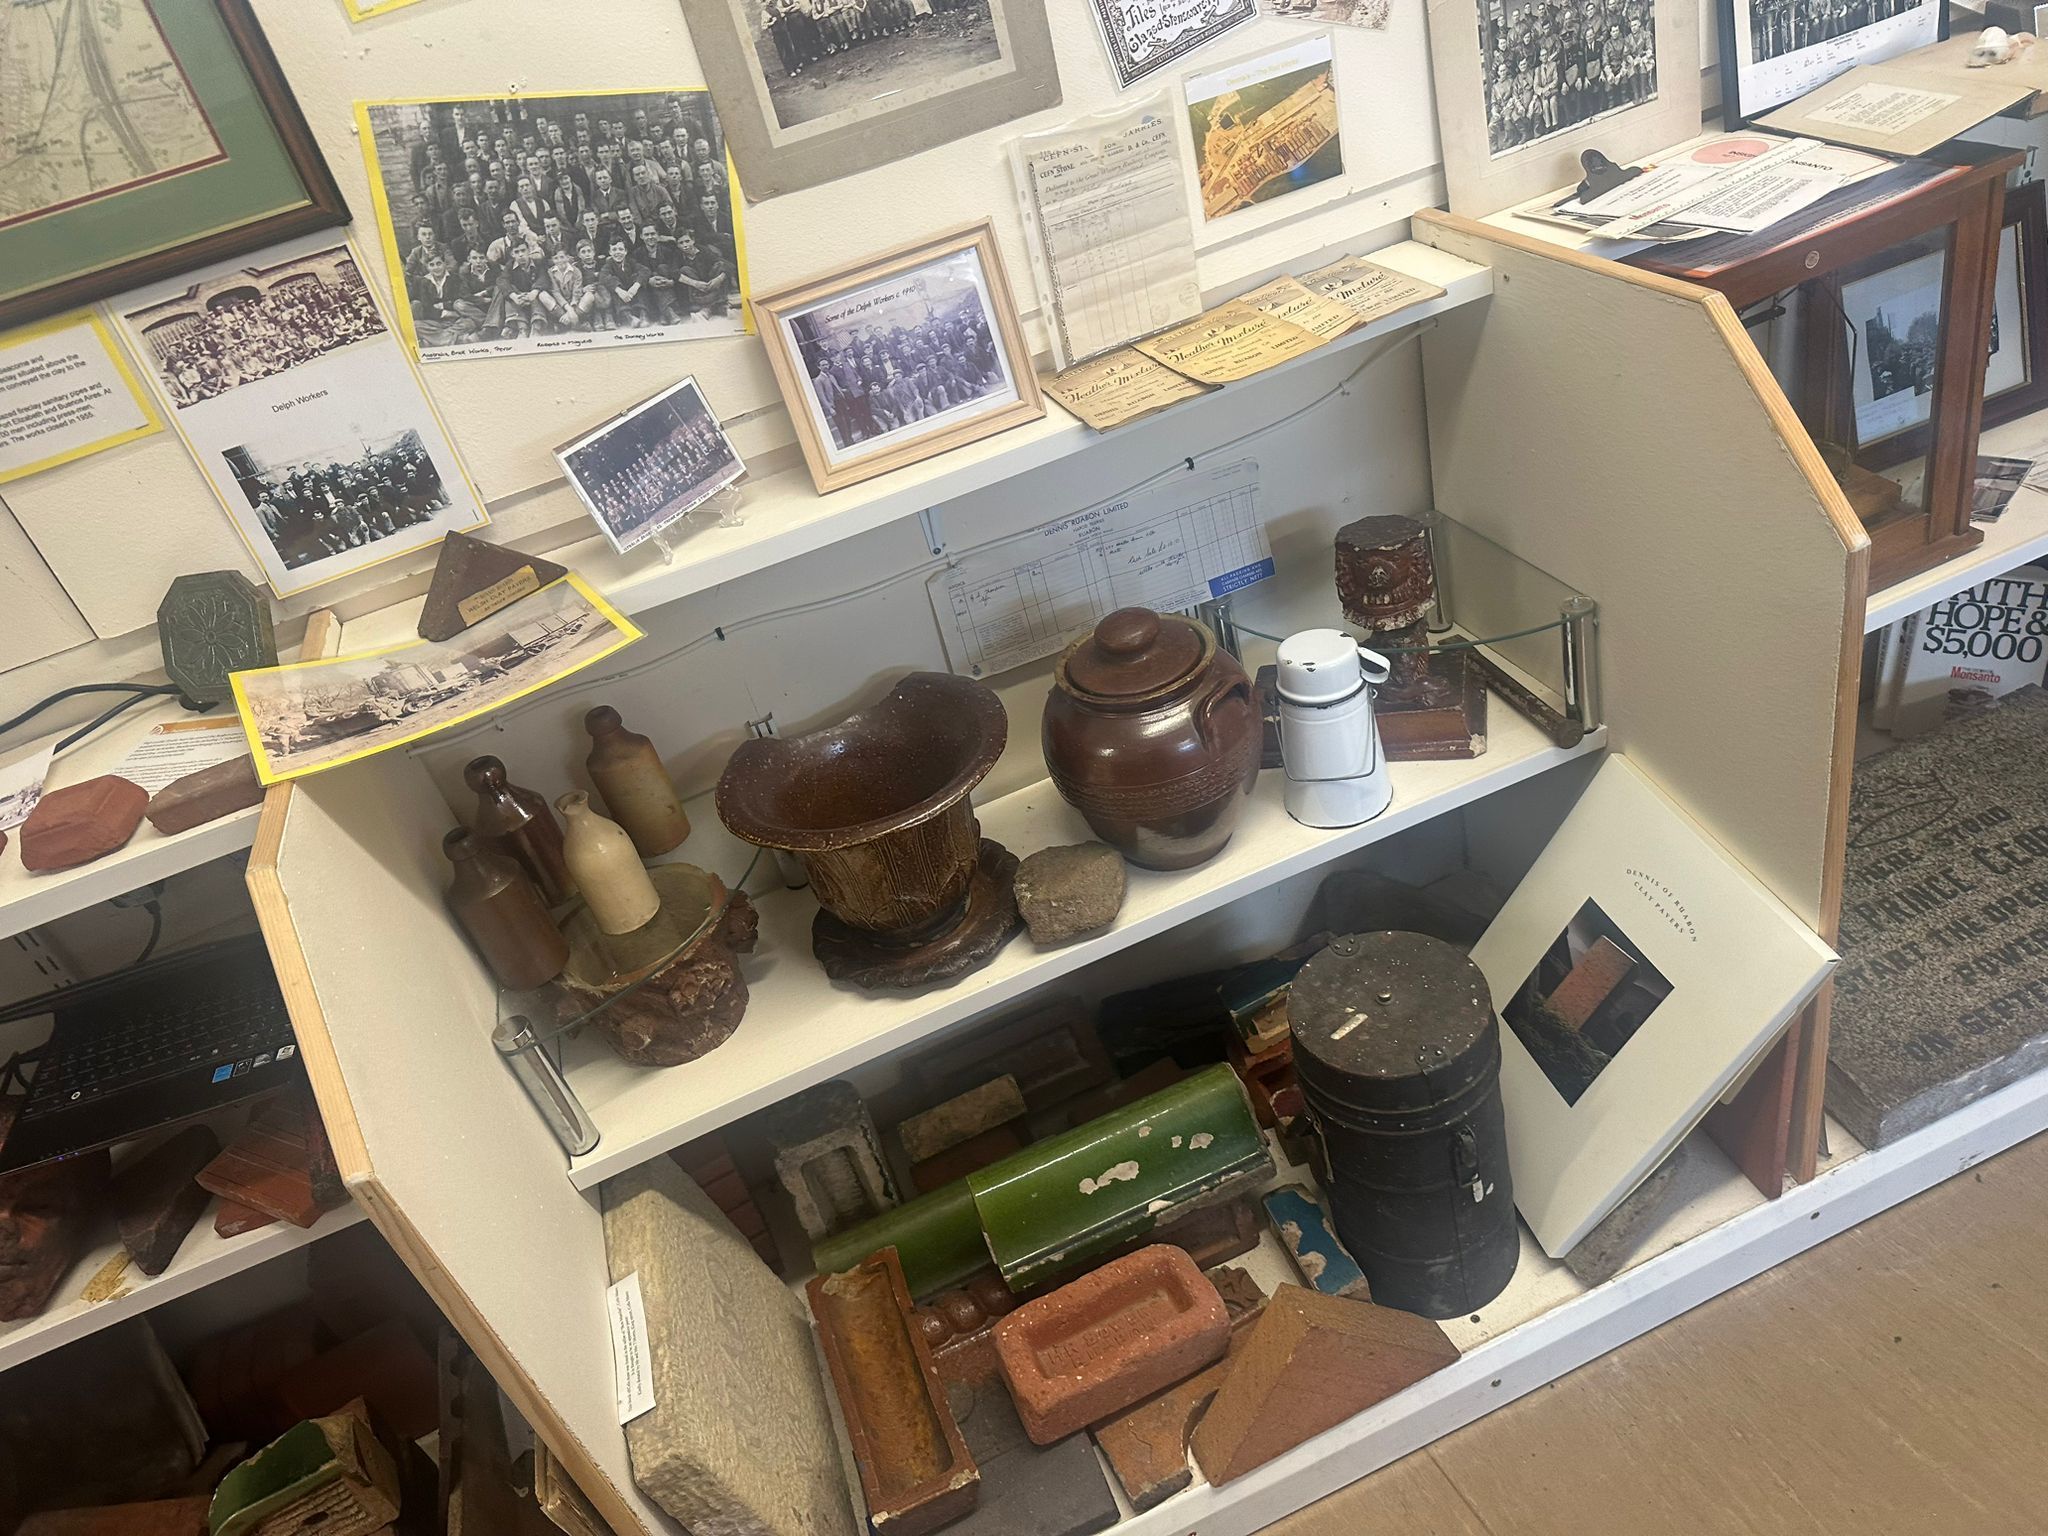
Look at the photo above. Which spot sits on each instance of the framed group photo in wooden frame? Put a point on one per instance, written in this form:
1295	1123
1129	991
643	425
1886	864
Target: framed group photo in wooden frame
901	356
158	138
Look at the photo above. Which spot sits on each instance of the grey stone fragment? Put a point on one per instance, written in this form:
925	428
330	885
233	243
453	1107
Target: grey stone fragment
1942	994
1606	1251
1026	1490
962	1118
740	1439
1066	892
829	1159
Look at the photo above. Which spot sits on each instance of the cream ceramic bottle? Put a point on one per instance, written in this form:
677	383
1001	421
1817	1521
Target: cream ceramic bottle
606	867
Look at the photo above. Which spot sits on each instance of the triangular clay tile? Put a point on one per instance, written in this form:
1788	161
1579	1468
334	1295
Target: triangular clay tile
1312	1361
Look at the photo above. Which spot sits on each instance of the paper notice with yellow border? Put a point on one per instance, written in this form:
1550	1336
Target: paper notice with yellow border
1232	341
66	391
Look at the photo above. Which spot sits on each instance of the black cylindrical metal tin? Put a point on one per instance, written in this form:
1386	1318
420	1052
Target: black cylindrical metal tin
1398	1054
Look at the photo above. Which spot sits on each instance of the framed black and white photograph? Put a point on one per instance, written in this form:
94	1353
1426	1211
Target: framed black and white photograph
523	224
1775	51
1141	40
284	378
813	90
901	357
652	465
1523	85
1893	313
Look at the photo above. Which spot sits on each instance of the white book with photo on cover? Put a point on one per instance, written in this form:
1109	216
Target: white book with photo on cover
1969	649
1639	972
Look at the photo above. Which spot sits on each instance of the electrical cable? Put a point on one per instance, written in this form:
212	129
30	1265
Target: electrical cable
925	568
86	730
156	931
141	690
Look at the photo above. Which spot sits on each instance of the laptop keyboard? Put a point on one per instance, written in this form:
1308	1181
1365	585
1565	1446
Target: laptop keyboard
230	1023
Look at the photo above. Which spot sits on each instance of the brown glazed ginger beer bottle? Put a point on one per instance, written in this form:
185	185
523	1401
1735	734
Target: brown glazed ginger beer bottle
633	784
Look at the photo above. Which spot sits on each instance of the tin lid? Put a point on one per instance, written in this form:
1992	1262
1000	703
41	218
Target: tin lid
1135	653
1391	1021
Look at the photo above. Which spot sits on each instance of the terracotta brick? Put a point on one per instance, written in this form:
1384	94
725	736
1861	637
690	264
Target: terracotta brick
81	822
1602	968
915	1470
1147	1447
1311	1362
1103	1342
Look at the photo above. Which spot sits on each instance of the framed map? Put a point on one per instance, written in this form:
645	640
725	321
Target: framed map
139	138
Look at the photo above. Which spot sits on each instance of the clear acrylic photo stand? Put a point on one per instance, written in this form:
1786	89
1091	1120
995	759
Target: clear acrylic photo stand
721	509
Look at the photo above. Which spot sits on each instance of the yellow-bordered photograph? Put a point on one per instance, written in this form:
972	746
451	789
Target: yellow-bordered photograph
66	391
363	10
308	716
521	224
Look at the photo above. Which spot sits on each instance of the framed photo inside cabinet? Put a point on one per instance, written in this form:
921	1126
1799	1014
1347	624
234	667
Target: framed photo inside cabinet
1639	971
1522	86
1782	49
142	138
1894	316
813	90
901	357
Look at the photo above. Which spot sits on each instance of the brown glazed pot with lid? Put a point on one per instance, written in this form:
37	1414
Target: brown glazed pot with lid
1151	733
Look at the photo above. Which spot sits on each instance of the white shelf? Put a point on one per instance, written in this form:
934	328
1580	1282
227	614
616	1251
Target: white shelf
2019	535
800	1028
785	517
202	1259
27	900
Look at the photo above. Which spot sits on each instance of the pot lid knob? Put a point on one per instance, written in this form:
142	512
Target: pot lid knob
1128	631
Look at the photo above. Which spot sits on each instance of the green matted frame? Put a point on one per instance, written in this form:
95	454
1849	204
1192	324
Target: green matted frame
269	183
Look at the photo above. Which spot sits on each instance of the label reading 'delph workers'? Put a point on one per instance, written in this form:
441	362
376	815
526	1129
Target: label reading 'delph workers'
632	1369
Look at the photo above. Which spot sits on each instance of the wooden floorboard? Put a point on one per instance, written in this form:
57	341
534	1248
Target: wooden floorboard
1891	1382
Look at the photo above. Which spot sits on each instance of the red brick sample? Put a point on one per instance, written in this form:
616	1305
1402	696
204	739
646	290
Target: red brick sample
1147	1447
205	796
1603	967
915	1470
82	822
46	1214
233	1218
1116	1335
1311	1362
281	1164
157	1198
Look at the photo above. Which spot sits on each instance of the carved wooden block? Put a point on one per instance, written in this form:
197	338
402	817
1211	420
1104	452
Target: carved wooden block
81	822
1103	1342
915	1470
1311	1362
158	1198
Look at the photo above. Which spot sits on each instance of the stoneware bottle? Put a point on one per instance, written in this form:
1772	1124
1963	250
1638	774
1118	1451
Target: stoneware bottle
501	910
636	789
606	867
517	822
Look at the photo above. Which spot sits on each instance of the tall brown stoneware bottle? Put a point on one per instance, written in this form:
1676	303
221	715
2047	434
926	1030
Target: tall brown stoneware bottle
501	910
517	822
633	784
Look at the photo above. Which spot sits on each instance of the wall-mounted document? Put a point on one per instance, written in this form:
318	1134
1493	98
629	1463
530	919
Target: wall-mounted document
1187	540
1106	219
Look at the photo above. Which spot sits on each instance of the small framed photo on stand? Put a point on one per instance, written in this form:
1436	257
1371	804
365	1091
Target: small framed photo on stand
651	465
900	357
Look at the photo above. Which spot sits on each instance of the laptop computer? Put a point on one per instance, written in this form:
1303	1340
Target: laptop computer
151	1046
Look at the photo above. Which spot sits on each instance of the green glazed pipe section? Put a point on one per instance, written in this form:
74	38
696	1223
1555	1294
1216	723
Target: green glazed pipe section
937	1237
1057	1204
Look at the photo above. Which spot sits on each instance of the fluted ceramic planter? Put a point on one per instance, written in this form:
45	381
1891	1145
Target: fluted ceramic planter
876	807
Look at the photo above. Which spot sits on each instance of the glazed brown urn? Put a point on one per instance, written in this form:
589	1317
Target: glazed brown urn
1152	733
876	806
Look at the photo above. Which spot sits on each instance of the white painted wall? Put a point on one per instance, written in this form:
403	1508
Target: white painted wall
113	529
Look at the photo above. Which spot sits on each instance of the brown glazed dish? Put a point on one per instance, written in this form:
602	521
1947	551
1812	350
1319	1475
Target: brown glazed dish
876	806
1151	733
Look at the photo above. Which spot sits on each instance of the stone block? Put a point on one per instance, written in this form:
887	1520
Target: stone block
1605	1251
829	1159
1304	1228
740	1440
205	796
1026	1489
158	1199
915	1470
1103	1342
961	1118
1311	1362
81	822
1068	892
